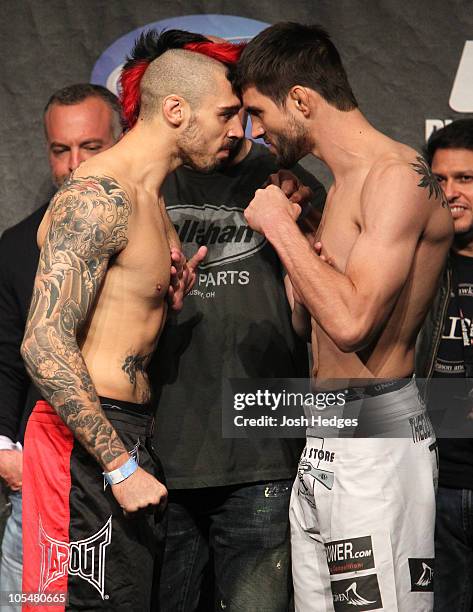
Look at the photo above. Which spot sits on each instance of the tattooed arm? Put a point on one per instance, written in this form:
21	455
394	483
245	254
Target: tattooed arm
351	306
88	224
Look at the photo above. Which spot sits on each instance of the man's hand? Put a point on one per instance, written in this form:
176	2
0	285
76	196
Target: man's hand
291	186
11	468
140	491
269	207
300	194
183	275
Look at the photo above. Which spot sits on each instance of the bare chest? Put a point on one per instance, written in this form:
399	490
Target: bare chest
340	228
145	263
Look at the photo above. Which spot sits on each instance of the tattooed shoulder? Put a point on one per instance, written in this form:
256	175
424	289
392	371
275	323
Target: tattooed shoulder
428	180
90	214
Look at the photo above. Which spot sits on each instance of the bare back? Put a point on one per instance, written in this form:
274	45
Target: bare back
386	229
127	311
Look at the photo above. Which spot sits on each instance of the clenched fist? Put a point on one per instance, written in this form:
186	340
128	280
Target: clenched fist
139	491
268	207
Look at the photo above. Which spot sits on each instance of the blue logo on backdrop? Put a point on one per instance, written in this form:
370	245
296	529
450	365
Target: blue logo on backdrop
235	29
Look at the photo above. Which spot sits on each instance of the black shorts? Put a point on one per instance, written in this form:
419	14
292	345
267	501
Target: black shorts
76	538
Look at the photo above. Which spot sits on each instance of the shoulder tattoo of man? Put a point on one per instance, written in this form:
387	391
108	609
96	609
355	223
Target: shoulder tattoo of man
90	215
428	180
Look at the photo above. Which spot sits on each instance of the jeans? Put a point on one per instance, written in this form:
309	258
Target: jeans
242	533
453	577
12	552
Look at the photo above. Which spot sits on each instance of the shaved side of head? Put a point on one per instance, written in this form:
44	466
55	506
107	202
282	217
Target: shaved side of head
183	73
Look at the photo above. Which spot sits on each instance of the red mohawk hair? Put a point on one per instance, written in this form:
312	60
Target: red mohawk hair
130	80
225	52
152	44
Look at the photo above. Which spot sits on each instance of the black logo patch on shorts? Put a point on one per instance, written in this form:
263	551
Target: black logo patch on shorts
361	594
350	555
422	575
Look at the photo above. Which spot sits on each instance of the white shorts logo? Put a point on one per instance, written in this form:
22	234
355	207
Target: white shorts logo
427	576
84	558
347	597
352	598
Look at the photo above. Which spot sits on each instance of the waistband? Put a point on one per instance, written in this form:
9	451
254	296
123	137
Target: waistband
357	392
390	412
134	418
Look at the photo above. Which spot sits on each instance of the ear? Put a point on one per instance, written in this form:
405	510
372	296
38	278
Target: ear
299	97
174	109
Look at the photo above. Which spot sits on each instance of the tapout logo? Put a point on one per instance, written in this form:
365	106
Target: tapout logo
84	558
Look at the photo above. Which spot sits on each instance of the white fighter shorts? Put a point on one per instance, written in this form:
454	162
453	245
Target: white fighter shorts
362	513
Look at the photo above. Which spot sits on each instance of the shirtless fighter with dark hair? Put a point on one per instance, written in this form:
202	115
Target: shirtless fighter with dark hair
388	234
98	306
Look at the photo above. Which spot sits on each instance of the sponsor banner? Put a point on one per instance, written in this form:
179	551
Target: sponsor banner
361	594
351	555
422	575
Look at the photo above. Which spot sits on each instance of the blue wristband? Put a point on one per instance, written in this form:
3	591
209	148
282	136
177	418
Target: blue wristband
121	473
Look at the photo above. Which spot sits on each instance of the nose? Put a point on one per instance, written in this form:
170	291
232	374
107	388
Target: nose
257	129
75	158
236	129
451	190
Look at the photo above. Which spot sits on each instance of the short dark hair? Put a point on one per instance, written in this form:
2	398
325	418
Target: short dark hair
288	54
455	135
78	92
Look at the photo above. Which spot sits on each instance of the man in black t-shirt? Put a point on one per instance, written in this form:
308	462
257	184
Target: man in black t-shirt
228	498
442	351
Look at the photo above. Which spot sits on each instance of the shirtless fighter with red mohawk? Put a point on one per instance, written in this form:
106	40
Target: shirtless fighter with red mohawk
92	487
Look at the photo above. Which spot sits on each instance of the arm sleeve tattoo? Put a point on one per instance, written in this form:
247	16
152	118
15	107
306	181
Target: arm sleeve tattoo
89	222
